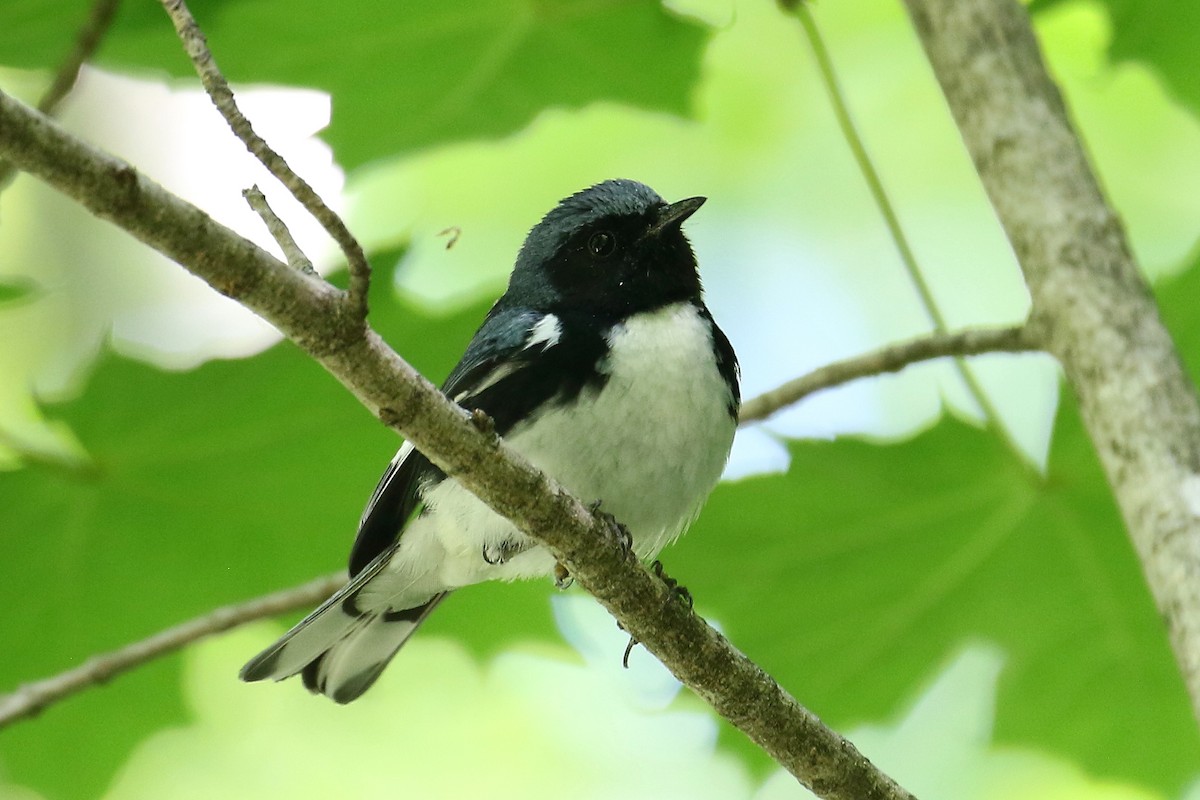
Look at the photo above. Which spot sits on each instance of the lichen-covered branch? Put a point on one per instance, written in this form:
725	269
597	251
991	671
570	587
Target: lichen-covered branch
32	698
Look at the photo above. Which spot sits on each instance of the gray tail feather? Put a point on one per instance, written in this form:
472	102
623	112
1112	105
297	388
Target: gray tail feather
339	650
352	664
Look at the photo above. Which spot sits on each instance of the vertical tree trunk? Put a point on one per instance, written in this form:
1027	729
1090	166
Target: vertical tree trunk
1091	306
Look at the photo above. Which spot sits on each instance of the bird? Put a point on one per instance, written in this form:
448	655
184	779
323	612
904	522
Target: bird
601	365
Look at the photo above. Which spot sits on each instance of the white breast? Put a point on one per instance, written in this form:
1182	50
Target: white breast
650	445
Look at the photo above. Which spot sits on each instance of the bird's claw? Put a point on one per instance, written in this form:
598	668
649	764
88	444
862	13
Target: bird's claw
497	553
562	578
482	422
616	531
633	642
674	592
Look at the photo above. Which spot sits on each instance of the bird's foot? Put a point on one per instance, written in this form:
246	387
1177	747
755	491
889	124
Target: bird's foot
562	578
497	553
619	534
674	592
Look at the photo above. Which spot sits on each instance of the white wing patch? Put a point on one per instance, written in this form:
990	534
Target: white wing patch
498	374
546	332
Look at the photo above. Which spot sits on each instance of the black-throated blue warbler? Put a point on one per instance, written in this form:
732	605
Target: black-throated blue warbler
602	366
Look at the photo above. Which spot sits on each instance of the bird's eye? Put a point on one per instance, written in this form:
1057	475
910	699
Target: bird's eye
602	244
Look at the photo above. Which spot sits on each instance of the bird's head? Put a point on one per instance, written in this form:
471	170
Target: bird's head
615	247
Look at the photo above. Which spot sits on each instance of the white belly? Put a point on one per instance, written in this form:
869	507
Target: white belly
650	445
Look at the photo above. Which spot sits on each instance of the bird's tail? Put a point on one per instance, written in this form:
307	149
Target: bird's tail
338	649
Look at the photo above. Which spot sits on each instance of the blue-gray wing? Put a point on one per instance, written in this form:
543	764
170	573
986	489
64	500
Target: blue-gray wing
503	345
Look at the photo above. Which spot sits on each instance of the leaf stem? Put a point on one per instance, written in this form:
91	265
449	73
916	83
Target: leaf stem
86	43
875	185
31	698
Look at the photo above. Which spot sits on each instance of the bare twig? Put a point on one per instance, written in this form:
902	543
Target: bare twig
1095	312
889	359
218	90
31	698
309	311
279	231
89	38
90	35
892	220
36	696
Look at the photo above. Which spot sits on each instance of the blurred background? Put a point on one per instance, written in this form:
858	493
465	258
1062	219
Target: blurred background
934	565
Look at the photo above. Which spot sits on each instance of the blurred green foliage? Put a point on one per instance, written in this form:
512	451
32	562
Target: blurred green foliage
205	487
850	578
883	559
407	77
1158	33
15	291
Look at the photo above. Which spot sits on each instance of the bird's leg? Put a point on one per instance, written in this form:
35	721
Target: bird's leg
633	642
493	554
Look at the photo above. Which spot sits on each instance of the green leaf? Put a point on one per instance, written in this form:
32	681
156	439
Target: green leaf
1178	298
853	575
15	290
209	487
1161	34
404	77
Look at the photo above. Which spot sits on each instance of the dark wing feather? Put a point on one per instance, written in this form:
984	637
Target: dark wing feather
398	495
500	339
727	363
394	501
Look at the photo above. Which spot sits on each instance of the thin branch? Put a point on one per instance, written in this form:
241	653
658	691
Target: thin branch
279	231
1095	312
31	698
90	35
890	359
308	311
214	82
892	221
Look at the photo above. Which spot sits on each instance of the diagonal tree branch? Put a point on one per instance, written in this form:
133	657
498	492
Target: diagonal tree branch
30	699
196	46
890	359
1091	305
891	220
278	230
307	311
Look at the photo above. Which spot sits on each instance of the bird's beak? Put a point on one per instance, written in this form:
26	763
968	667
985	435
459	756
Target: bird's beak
672	216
